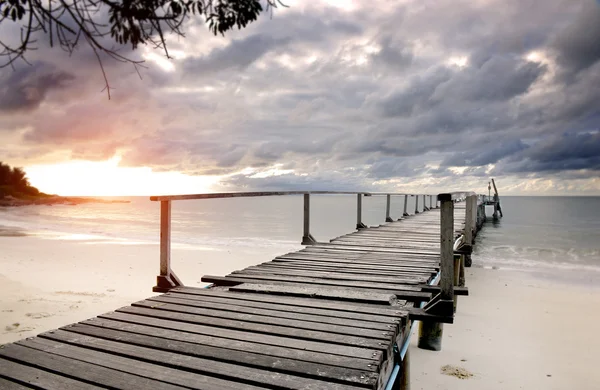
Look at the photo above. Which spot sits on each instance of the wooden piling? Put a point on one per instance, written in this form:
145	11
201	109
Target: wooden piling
405	213
430	335
405	372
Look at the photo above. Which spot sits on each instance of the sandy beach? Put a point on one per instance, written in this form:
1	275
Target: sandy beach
515	331
46	283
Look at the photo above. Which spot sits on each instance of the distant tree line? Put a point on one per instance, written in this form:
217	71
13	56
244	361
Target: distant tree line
14	182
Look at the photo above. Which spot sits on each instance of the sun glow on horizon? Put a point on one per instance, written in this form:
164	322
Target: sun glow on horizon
107	178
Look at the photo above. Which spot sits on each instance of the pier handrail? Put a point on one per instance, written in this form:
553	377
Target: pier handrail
167	278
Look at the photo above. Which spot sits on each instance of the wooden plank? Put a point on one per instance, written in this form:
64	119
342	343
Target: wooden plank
263	319
346	267
303	334
359	377
133	366
325	319
215	341
236	372
5	384
364	308
238	300
375	248
341	270
287	342
389	264
394	263
398	279
359	248
398	289
80	370
355	295
40	379
339	280
367	242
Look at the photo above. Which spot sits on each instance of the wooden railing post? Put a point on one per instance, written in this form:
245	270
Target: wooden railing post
416	204
307	238
405	213
447	251
425	208
359	224
470	220
388	202
166	280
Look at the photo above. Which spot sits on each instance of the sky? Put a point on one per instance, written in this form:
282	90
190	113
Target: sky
402	96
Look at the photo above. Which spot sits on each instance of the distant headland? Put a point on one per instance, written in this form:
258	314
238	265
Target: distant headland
15	190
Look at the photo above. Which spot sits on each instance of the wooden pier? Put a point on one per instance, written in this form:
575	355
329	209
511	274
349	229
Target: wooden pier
335	315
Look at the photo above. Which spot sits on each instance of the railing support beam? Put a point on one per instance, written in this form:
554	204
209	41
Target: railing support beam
307	238
416	204
388	201
359	224
167	279
405	213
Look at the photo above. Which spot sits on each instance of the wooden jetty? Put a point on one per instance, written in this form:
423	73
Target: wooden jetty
335	315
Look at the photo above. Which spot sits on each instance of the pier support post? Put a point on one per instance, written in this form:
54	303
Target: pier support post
405	371
416	204
307	238
404	213
167	279
430	335
458	261
425	208
359	224
388	202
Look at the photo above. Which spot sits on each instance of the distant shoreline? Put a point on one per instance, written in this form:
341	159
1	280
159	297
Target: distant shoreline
10	201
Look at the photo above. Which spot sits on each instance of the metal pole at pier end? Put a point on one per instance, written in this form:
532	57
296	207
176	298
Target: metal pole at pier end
307	238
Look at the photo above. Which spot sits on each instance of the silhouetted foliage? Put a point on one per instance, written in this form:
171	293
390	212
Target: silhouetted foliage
13	181
103	23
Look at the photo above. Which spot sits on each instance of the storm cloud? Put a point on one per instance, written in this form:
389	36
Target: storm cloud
371	96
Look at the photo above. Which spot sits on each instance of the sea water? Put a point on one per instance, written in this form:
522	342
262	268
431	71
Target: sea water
556	237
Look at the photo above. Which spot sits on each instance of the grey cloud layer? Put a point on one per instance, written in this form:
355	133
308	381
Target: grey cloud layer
308	90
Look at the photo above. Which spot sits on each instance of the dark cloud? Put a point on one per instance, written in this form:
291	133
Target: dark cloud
237	55
345	99
500	78
560	153
484	154
26	87
578	44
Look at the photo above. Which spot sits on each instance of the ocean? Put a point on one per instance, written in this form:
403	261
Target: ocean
552	237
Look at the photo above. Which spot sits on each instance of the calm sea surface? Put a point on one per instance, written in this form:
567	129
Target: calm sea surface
551	236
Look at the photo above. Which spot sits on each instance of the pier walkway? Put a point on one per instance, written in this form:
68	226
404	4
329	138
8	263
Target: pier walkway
335	315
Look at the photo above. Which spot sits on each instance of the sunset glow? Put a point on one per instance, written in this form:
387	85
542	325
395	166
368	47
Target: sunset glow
107	178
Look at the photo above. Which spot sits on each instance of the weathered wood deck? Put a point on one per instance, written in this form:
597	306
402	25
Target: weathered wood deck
334	315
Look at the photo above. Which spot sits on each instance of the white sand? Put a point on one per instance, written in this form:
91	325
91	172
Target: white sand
49	283
516	332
